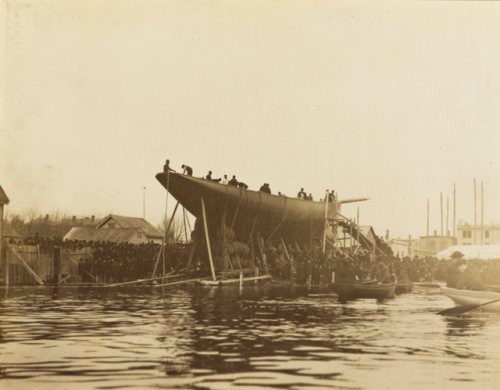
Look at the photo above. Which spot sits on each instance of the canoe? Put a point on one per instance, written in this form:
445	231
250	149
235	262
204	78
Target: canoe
404	288
467	297
347	291
248	211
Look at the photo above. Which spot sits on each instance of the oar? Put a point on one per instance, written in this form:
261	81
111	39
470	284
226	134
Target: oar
429	285
463	309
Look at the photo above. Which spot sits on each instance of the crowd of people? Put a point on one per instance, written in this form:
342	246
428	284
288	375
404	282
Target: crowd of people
118	262
106	261
360	267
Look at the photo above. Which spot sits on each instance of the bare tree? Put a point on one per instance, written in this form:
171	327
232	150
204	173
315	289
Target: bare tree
176	233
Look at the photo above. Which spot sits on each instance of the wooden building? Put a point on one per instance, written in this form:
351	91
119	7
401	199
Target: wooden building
113	221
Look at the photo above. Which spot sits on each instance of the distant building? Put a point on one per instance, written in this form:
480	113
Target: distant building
400	248
119	235
434	244
119	222
471	235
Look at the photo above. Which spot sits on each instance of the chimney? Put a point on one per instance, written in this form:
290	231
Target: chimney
93	218
409	236
387	235
435	232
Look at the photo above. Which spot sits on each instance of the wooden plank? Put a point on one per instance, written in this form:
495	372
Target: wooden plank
181	282
30	271
230	281
208	238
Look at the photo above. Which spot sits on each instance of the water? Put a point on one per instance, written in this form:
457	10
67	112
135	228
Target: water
220	338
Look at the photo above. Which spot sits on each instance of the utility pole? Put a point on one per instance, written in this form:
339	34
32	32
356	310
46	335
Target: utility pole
144	202
426	241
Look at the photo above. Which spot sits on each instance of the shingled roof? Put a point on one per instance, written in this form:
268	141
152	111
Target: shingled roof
9	232
131	222
93	234
3	197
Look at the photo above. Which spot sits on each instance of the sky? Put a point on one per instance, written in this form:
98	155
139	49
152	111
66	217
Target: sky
394	101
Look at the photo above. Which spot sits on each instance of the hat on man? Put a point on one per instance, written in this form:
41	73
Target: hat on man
457	255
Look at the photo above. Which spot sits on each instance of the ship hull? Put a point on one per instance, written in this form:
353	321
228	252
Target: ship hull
247	211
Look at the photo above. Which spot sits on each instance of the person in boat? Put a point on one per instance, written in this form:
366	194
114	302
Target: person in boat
233	182
382	273
225	181
403	277
310	197
242	185
263	188
345	273
469	278
301	193
187	170
166	167
453	274
301	197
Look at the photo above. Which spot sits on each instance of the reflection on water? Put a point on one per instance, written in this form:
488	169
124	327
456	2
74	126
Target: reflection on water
224	338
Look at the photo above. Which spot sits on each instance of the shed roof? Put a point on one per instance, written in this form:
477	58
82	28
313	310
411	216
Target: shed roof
7	231
3	196
93	234
132	222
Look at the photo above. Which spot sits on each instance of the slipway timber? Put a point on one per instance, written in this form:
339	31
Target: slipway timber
247	212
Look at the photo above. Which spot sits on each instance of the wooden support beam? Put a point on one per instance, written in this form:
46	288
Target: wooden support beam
30	271
326	222
208	238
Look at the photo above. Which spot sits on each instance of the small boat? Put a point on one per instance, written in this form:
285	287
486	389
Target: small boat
404	288
467	297
348	291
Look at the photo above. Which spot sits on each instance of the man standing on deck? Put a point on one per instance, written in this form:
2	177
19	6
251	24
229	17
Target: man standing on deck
187	169
225	181
233	182
166	167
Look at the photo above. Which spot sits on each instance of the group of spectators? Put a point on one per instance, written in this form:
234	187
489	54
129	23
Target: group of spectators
106	261
360	267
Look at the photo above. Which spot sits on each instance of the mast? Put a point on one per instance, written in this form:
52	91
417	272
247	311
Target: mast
475	212
447	213
482	234
441	214
454	214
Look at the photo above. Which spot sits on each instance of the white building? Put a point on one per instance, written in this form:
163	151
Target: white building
471	235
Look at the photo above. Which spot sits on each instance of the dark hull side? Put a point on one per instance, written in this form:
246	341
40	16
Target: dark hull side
354	291
248	211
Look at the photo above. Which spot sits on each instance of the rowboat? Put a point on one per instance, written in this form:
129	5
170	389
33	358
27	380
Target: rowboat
467	297
404	288
246	211
348	291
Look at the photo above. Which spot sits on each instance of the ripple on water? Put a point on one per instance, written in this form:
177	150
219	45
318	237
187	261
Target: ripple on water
212	338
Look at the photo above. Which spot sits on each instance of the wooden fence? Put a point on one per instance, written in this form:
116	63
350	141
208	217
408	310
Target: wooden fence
42	265
47	266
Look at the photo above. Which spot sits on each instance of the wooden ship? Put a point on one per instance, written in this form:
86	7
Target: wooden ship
235	225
